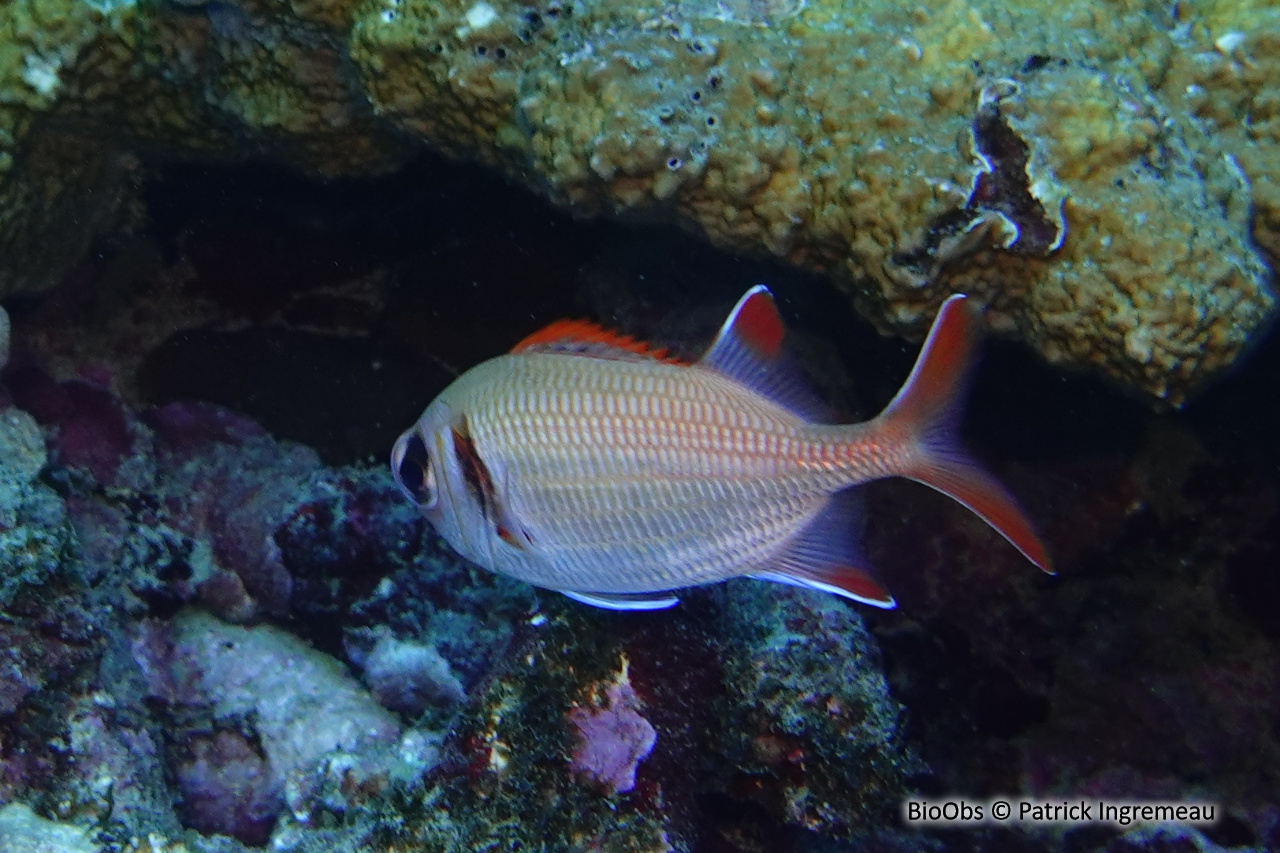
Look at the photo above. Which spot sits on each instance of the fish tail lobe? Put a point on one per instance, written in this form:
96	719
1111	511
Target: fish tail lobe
925	415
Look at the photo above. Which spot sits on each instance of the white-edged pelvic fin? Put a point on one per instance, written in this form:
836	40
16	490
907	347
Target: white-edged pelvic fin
826	555
749	350
625	600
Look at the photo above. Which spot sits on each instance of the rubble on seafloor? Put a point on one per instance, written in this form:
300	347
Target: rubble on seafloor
1103	175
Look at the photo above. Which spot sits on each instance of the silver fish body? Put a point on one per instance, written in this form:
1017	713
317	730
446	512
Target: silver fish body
617	477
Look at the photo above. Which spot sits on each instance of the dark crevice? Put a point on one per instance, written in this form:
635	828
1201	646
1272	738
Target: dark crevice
1006	189
922	258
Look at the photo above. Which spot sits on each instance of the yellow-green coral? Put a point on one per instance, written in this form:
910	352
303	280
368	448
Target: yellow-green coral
1101	173
842	137
85	83
62	180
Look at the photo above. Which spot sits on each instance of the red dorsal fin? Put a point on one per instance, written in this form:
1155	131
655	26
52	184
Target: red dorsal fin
582	337
756	323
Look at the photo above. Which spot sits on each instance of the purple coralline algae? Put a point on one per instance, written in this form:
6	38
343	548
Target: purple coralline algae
612	739
228	788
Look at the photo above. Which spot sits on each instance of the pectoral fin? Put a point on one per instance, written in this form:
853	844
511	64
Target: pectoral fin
625	600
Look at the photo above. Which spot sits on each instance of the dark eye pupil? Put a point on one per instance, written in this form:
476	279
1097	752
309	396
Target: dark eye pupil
413	468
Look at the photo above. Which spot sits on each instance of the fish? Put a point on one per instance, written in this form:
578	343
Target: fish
595	465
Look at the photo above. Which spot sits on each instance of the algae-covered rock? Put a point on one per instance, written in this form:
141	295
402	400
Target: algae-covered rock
4	338
605	732
23	831
85	85
34	534
1102	174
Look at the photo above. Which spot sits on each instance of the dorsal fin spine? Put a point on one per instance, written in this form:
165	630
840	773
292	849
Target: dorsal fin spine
580	337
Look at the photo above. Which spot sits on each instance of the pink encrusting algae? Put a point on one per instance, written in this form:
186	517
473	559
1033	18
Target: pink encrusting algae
612	739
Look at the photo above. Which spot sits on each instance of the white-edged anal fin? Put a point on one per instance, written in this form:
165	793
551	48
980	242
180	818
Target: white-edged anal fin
826	555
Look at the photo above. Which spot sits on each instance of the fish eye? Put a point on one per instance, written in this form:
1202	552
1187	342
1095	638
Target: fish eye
411	467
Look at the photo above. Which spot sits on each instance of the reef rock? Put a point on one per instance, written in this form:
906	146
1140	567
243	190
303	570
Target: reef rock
23	830
1103	175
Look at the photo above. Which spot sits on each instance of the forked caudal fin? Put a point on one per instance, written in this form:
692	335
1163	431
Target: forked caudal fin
925	415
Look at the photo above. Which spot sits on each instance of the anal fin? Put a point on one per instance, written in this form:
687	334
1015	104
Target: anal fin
825	555
625	600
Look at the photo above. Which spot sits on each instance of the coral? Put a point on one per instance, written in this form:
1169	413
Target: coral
85	84
58	191
1102	176
1013	151
1222	88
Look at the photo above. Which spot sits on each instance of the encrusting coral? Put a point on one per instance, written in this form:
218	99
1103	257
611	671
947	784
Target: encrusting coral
1103	175
1014	151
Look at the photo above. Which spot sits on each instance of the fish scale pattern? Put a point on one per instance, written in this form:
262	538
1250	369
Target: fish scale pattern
680	475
